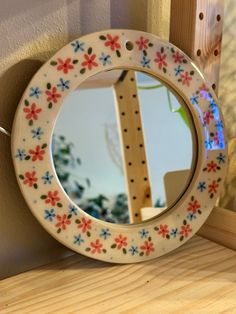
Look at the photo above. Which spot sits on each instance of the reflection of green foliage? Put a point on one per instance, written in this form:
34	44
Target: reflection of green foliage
101	207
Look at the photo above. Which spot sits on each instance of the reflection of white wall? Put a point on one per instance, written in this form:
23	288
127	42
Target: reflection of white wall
168	140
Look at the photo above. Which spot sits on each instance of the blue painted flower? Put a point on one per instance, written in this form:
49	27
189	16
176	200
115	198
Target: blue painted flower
145	62
78	239
194	99
174	232
72	209
37	133
143	233
78	46
191	216
133	250
219	125
105	59
178	70
201	186
208	143
49	214
47	178
64	84
20	154
105	233
35	92
221	158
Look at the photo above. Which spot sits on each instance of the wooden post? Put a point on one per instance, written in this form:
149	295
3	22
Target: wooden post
132	145
196	28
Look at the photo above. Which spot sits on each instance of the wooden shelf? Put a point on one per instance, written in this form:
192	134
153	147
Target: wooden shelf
199	277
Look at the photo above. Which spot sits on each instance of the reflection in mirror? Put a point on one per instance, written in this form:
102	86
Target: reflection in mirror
123	140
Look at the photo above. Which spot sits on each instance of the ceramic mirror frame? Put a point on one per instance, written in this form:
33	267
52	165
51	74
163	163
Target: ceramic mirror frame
32	135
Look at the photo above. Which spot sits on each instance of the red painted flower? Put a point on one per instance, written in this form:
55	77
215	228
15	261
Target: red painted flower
193	206
112	42
53	95
186	78
163	230
30	178
142	43
216	138
37	154
212	188
161	60
32	112
147	247
85	224
89	61
63	221
203	88
64	66
207	116
211	166
121	241
96	246
185	230
178	57
52	198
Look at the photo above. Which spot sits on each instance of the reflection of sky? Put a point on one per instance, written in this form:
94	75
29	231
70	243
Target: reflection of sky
168	140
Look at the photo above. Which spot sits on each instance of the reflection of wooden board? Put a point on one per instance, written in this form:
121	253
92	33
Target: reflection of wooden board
175	181
133	147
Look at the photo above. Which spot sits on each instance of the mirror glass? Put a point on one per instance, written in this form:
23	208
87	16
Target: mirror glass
92	156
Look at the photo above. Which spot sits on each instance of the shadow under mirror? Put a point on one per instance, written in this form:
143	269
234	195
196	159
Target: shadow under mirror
123	146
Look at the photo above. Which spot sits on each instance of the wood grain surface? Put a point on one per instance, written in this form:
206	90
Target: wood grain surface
199	277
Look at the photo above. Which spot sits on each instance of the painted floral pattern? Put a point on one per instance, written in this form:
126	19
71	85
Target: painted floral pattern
44	96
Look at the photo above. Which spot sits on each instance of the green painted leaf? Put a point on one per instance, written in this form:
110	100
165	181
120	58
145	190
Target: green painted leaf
44	145
124	251
35	185
90	50
53	63
49	85
59	230
75	61
150	45
27	157
50	105
192	72
69	216
59	204
82	71
77	221
185	222
26	102
88	234
104	251
113	246
141	253
118	53
87	249
145	53
181	238
31	122
102	37
43	197
21	177
162	49
149	239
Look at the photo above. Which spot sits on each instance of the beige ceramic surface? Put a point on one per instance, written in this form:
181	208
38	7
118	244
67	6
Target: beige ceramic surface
33	128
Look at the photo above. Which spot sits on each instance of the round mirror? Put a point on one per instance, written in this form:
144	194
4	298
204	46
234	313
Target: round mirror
123	145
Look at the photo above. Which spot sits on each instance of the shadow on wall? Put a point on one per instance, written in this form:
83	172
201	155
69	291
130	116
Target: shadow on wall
23	240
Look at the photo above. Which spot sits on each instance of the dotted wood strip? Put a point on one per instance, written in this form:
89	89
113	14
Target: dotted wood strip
196	28
133	147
